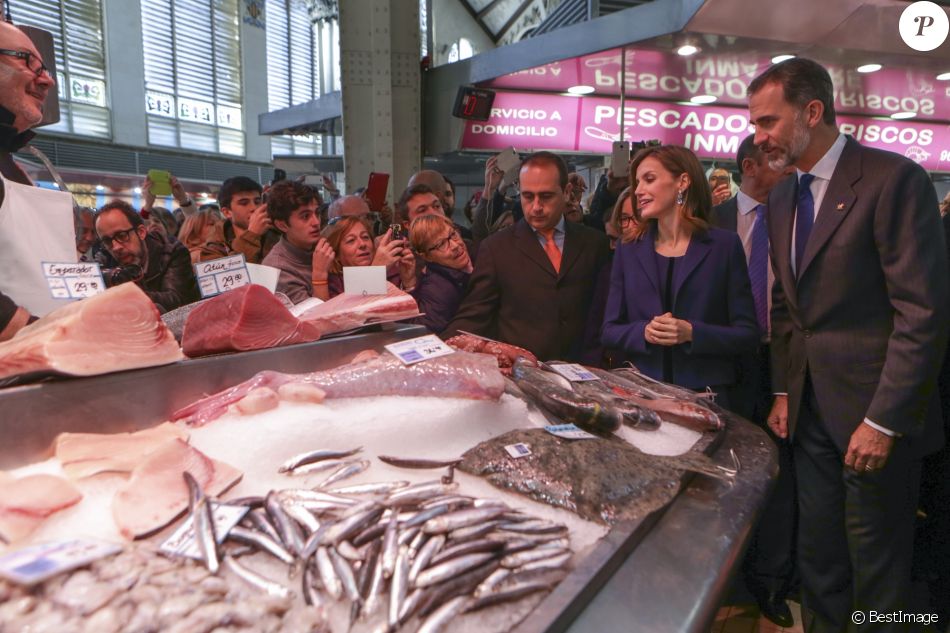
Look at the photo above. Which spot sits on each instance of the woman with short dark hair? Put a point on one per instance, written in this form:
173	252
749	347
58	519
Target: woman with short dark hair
351	238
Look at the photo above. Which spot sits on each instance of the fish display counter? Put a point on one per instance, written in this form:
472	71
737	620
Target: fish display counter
440	480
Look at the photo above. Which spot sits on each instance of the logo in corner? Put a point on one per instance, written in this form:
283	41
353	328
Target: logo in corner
924	26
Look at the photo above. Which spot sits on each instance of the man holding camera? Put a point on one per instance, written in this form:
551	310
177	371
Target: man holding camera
159	265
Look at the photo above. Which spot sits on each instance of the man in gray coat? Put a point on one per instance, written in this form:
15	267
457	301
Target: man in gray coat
859	325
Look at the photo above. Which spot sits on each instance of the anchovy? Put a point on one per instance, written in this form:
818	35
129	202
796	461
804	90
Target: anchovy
354	468
364	581
371	533
259	520
554	562
405	537
302	515
492	582
455	500
467	547
399	586
451	567
345	573
390	547
248	502
256	580
315	456
463	584
426	515
420	492
417	542
521	544
331	582
310	594
375	586
421	561
406	462
381	487
298	495
514	592
348	552
202	523
473	532
538	526
319	467
546	390
262	542
462	519
441	617
411	604
351	525
287	528
519	559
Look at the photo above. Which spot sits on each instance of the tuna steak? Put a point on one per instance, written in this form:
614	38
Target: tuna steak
113	331
347	312
458	375
243	319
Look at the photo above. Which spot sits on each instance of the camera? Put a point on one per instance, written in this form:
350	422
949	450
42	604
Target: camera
122	274
397	231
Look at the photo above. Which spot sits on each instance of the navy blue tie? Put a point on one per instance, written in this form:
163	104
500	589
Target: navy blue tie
759	268
804	218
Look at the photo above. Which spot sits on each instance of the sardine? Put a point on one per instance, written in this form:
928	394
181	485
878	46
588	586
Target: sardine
441	617
554	562
254	579
462	519
473	532
463	584
345	472
467	547
507	594
546	390
381	487
315	456
492	582
399	586
451	567
345	573
262	542
331	582
406	462
421	561
538	526
519	559
457	501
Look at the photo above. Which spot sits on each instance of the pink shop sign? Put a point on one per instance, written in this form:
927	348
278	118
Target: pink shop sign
590	124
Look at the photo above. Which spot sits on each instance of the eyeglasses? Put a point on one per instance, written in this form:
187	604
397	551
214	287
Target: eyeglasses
626	220
443	243
33	62
122	237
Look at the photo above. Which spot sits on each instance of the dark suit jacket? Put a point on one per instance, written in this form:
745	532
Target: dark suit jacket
515	296
867	316
711	290
725	215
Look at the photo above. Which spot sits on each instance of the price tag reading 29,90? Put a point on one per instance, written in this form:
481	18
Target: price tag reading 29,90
220	275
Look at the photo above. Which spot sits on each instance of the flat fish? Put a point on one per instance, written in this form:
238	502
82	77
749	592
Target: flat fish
156	493
26	502
86	454
117	330
458	375
602	479
243	319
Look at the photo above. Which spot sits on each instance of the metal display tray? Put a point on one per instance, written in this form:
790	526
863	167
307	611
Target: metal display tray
666	572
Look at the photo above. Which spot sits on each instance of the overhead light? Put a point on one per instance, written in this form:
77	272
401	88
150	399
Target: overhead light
100	188
869	68
702	99
903	115
687	49
581	90
781	58
943	77
137	190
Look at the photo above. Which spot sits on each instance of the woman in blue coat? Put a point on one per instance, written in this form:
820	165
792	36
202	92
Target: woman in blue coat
448	267
680	301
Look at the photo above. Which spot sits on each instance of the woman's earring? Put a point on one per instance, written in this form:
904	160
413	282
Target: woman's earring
679	198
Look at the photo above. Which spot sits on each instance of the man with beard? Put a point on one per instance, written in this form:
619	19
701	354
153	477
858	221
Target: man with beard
533	284
302	255
160	266
859	324
247	229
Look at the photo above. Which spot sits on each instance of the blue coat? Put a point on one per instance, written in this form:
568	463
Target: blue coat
439	294
711	290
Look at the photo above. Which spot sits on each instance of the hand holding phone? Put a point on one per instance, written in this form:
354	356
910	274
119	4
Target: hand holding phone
376	191
620	157
160	182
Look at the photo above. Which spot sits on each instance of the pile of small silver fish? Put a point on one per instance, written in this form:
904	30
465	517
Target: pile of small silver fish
140	591
396	552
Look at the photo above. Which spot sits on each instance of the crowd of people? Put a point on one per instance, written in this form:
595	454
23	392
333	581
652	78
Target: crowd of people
813	300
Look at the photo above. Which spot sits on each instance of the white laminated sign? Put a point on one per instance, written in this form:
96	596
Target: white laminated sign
71	280
220	275
419	349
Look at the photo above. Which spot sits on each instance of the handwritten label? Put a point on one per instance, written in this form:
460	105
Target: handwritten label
37	563
574	372
183	542
518	450
72	280
419	349
220	275
304	305
364	280
569	432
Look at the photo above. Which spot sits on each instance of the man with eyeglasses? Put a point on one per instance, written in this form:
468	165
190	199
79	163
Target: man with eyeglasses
160	266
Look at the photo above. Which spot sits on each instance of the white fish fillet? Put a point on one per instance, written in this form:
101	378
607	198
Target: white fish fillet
86	454
26	502
116	330
157	493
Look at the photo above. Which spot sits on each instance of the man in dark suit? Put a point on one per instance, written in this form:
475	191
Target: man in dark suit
769	565
532	284
859	324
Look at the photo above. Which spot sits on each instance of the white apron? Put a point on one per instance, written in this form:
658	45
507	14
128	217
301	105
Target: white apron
36	225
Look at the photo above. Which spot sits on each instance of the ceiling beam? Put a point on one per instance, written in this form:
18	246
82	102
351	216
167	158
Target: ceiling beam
513	19
491	5
478	20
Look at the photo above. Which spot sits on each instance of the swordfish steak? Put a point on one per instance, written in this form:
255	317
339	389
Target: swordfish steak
26	502
113	331
243	319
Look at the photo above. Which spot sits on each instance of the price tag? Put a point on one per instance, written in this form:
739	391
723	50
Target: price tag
220	275
304	305
574	372
37	563
183	543
569	432
518	450
73	280
364	280
419	349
